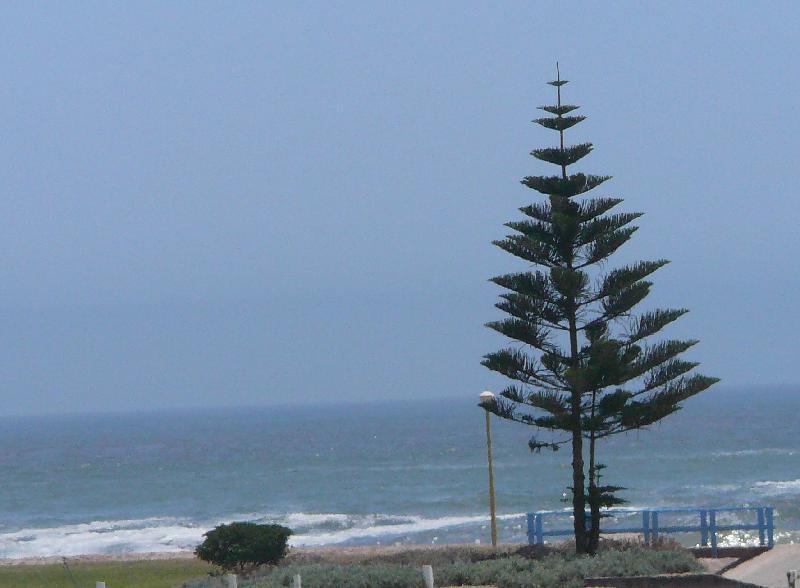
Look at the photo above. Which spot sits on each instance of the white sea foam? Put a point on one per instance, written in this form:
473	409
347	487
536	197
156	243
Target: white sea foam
755	452
777	487
302	519
167	534
129	536
397	529
714	488
704	455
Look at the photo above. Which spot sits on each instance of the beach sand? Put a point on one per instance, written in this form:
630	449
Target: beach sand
400	553
97	558
329	553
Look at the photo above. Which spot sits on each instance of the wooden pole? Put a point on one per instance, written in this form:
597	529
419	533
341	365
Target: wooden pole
491	478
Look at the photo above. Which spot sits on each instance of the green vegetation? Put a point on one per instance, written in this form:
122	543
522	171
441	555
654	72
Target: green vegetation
168	573
549	568
535	567
582	363
238	546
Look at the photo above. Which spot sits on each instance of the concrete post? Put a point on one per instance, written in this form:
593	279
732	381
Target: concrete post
427	575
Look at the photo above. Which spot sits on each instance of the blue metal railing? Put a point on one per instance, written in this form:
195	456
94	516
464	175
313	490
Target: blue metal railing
651	526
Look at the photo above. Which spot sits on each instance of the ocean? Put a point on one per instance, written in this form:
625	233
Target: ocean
375	473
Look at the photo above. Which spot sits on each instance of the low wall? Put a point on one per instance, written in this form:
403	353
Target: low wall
668	581
742	553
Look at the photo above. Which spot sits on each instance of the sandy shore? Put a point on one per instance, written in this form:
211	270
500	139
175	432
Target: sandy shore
339	553
97	558
325	553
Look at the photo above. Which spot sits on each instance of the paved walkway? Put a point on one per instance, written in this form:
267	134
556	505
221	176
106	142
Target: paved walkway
769	568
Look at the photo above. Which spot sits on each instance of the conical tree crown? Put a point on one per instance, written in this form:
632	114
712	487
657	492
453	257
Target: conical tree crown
626	382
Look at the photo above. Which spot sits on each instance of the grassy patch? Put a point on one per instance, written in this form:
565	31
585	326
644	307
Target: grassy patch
168	573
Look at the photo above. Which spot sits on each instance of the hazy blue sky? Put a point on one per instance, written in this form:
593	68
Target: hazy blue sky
247	203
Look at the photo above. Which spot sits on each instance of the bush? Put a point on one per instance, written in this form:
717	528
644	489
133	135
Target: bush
413	555
341	576
238	546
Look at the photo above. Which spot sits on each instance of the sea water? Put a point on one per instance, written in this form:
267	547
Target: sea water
374	473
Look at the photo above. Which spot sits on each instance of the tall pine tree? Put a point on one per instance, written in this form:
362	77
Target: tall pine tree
583	363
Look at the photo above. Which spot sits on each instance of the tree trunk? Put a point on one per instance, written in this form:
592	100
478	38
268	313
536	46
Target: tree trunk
594	497
578	494
578	478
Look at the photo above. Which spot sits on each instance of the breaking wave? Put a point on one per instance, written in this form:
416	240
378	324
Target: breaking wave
167	534
777	487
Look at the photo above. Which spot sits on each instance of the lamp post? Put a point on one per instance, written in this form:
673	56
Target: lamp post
486	399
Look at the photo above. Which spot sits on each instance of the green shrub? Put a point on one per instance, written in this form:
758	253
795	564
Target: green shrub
238	546
413	555
341	576
553	568
565	570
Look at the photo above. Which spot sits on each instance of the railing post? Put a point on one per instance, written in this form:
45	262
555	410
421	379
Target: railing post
770	528
654	524
713	531
651	526
539	530
703	528
531	535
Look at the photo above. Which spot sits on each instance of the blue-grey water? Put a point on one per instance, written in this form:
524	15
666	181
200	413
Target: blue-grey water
364	474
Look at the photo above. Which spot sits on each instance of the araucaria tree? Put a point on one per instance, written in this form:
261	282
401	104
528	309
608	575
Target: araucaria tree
583	363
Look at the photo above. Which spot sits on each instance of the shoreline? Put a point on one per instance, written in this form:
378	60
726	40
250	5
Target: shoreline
45	560
301	554
308	553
